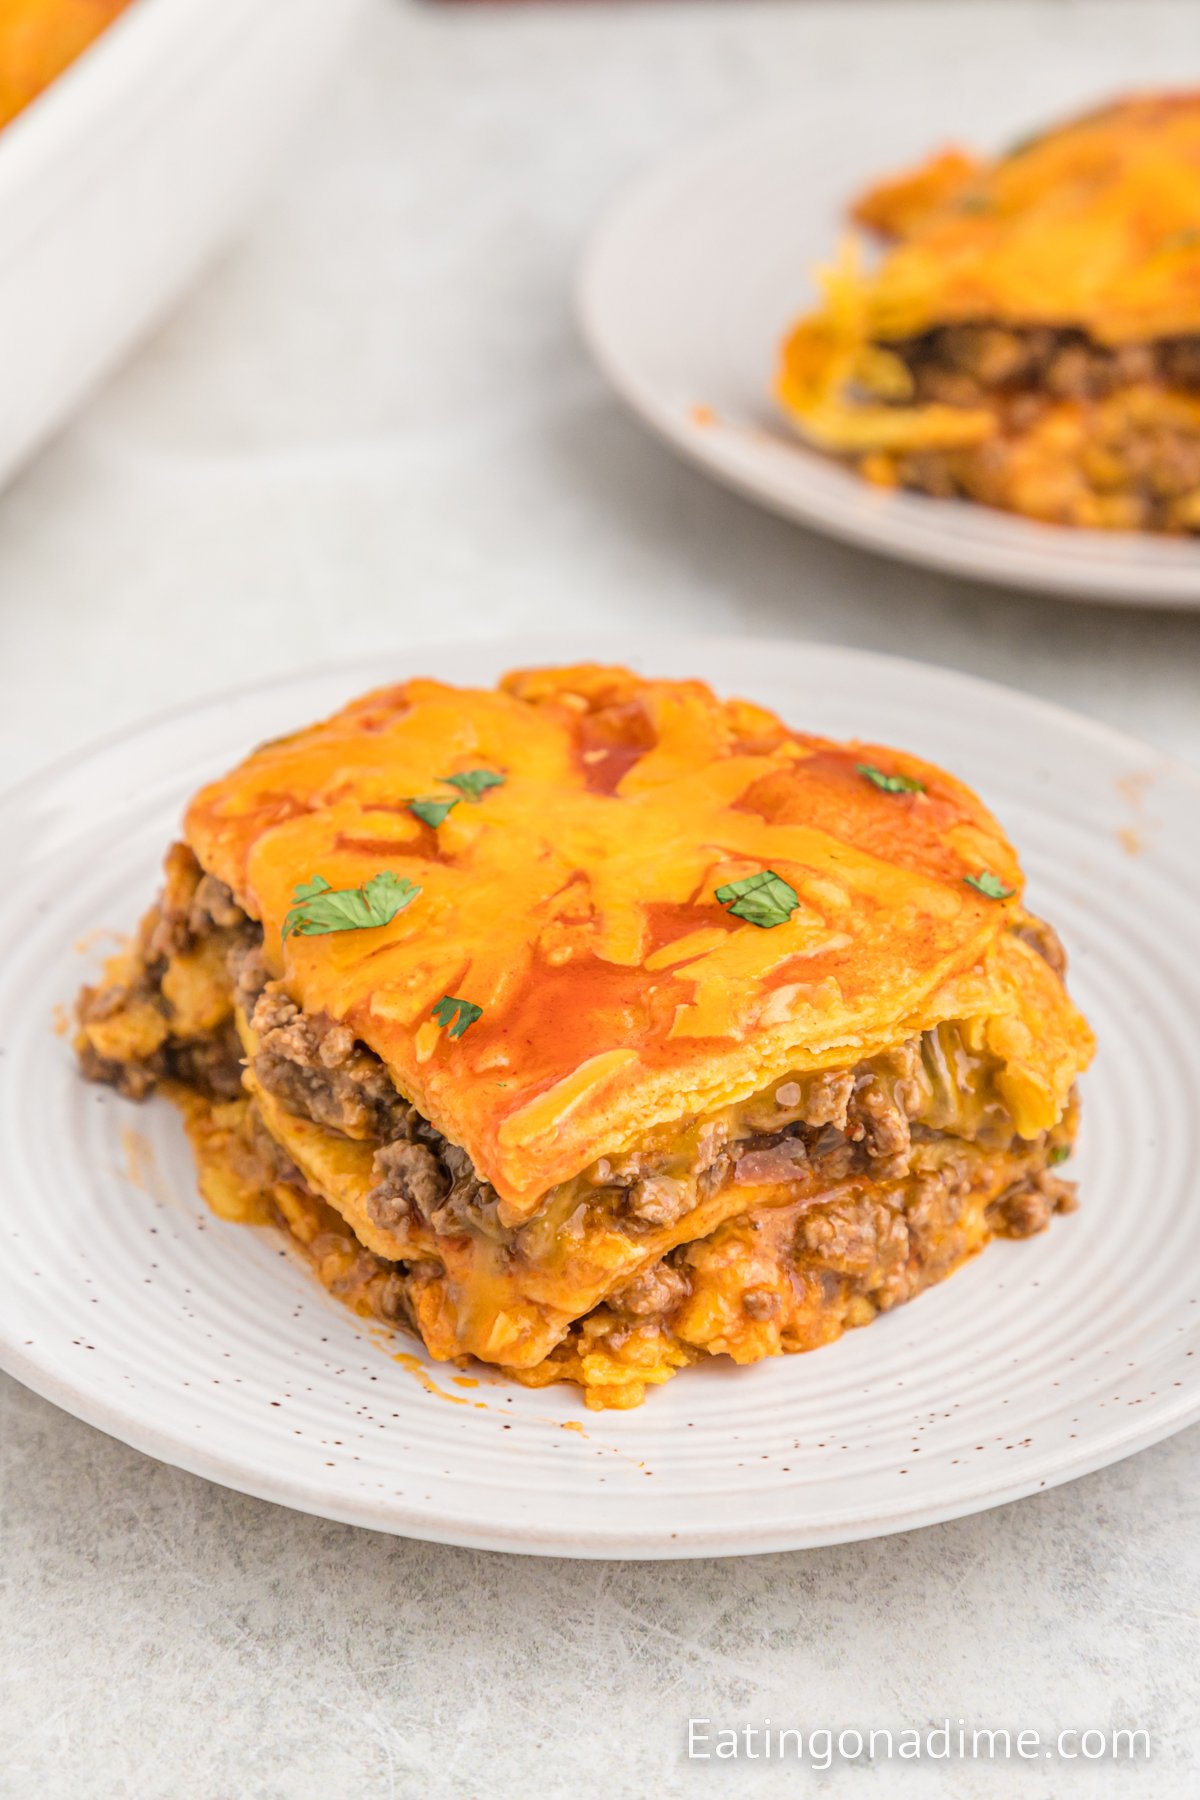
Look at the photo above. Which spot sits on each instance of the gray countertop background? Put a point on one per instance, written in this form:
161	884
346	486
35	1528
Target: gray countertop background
373	424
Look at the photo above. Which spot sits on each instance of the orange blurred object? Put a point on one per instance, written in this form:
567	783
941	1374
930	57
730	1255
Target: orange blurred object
39	39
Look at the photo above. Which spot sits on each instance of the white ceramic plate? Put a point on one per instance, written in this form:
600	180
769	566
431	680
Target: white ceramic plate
685	293
207	1345
123	177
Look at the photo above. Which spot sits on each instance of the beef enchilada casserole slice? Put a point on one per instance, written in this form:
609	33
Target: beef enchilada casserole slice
1030	337
592	1025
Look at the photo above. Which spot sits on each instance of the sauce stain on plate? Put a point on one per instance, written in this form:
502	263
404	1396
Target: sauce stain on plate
141	1167
1135	838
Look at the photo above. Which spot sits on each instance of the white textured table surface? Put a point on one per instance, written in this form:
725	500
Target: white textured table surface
371	425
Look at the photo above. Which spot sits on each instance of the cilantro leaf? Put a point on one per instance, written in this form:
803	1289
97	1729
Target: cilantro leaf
1186	239
890	784
457	1014
319	908
308	890
1059	1154
431	812
1020	145
764	899
473	784
991	885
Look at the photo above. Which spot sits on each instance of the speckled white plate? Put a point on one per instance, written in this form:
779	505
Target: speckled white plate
209	1346
691	280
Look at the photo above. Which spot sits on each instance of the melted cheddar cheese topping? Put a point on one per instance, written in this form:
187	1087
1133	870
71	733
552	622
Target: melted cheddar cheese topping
575	905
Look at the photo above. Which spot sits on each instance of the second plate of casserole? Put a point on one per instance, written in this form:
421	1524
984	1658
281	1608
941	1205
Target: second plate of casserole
608	1031
991	309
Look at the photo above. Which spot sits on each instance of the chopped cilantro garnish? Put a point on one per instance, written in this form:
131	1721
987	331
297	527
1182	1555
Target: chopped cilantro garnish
1059	1154
431	812
765	899
318	908
991	885
1020	145
1185	239
891	784
473	784
457	1014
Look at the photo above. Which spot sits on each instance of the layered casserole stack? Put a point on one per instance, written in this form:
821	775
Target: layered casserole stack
591	1025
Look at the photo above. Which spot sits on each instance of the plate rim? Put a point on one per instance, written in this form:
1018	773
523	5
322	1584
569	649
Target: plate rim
123	1420
943	552
602	641
593	1545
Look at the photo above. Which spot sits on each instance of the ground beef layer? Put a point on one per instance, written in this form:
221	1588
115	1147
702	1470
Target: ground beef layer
772	1281
1087	434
